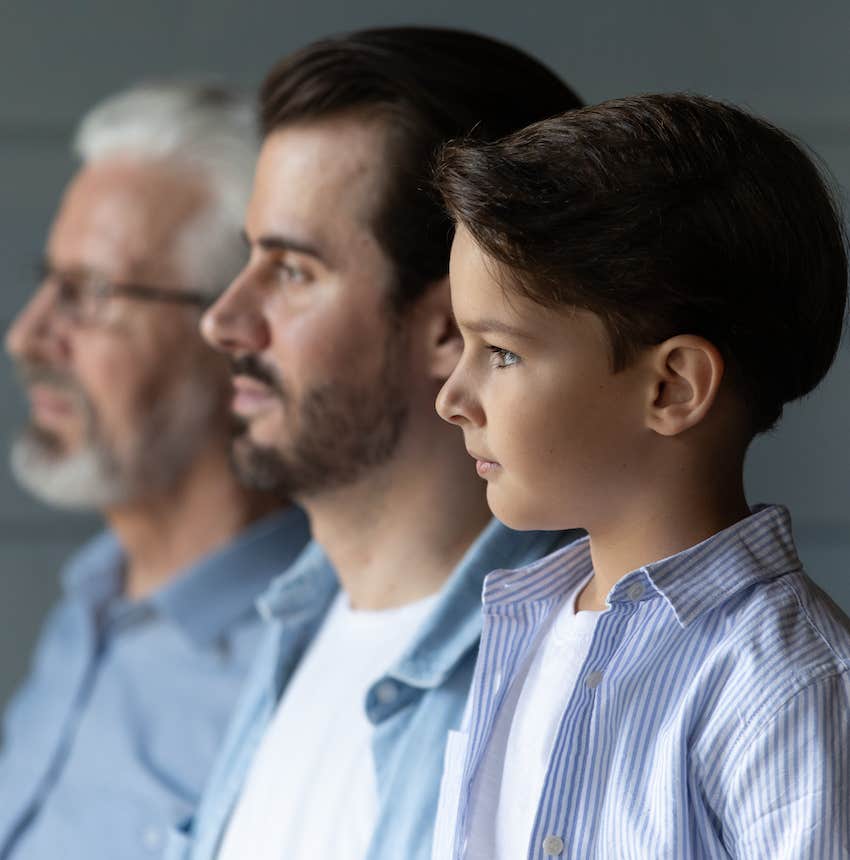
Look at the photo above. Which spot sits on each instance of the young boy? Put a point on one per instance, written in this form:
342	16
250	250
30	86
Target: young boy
641	286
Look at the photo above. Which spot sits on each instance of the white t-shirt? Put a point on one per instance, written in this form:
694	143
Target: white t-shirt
510	779
311	787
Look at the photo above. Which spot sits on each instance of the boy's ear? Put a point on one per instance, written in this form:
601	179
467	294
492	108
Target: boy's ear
688	371
443	341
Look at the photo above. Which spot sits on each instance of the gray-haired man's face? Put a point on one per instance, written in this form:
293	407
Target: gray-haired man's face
120	390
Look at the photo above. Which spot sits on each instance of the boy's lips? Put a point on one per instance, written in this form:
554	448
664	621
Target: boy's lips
484	466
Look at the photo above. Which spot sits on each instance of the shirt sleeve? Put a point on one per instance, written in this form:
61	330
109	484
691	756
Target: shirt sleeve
787	799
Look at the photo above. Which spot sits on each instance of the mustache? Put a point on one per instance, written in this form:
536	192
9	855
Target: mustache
250	365
37	374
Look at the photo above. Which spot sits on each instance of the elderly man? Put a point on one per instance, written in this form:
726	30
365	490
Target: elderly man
341	330
111	736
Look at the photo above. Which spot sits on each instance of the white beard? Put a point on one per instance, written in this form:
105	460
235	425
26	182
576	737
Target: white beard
84	480
97	476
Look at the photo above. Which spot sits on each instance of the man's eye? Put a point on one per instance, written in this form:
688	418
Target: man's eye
502	357
292	274
69	292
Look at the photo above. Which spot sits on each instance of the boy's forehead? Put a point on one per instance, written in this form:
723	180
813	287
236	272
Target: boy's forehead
477	291
483	301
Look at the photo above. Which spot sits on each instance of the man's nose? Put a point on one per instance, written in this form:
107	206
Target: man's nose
236	323
36	331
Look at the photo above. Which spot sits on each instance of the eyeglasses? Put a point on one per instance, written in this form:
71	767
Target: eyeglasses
85	298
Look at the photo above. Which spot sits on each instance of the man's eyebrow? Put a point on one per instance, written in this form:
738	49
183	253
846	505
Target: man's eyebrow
276	242
486	325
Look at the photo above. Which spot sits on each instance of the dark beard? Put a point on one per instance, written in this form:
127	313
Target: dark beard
341	433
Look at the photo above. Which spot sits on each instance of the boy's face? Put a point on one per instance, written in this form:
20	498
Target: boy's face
557	436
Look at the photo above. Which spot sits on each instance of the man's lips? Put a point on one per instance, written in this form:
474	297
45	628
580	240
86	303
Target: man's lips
49	402
251	396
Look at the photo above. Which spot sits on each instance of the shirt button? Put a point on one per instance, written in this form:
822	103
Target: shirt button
593	680
386	692
152	838
553	846
635	591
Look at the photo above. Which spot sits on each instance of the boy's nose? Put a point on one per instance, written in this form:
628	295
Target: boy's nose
455	403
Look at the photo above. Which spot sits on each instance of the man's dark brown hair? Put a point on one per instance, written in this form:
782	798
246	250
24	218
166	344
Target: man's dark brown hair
429	85
666	215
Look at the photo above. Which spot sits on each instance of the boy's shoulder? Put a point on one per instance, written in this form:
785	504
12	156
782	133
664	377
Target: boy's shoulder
781	642
787	624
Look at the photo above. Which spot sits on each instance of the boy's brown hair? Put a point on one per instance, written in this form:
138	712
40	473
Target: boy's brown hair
665	215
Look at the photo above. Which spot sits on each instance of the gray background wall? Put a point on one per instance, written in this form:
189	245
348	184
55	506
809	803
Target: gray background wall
788	63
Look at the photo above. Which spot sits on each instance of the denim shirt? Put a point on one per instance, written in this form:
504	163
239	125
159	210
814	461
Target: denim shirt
413	706
110	739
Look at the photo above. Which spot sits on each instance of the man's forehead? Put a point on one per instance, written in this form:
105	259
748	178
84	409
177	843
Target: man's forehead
122	216
323	168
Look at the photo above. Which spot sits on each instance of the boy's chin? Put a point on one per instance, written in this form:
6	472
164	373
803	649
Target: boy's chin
519	517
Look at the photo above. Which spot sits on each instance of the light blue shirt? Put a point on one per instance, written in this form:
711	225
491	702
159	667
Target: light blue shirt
110	739
412	706
711	718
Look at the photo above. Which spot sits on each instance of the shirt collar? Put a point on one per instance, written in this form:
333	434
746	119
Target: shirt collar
211	595
302	592
454	625
95	573
757	548
208	597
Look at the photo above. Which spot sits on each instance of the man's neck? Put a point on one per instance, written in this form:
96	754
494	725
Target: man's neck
395	536
673	516
164	533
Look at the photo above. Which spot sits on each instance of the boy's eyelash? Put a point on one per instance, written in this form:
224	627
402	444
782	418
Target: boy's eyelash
502	357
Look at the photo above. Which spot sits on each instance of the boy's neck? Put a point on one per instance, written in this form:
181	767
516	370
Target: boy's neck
659	527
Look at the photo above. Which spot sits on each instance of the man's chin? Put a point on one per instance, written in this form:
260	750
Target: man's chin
258	466
44	442
78	480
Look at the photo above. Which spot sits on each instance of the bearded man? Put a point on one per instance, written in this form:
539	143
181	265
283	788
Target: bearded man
341	332
110	738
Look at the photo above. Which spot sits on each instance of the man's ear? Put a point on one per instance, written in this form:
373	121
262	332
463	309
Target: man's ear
443	342
687	372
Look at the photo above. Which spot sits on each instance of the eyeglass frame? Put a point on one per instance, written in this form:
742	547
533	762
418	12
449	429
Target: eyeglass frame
101	288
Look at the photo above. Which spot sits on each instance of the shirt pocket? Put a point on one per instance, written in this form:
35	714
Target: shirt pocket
450	790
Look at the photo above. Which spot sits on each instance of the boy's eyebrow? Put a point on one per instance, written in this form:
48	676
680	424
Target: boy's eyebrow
480	326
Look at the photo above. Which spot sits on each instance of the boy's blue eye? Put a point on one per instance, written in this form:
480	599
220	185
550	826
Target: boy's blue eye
502	357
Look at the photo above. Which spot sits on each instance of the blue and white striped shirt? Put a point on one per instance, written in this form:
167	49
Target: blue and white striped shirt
711	718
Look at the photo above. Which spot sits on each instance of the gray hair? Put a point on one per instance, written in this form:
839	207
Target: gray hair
201	126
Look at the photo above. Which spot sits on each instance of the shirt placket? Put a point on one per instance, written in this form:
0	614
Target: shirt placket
506	638
559	830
